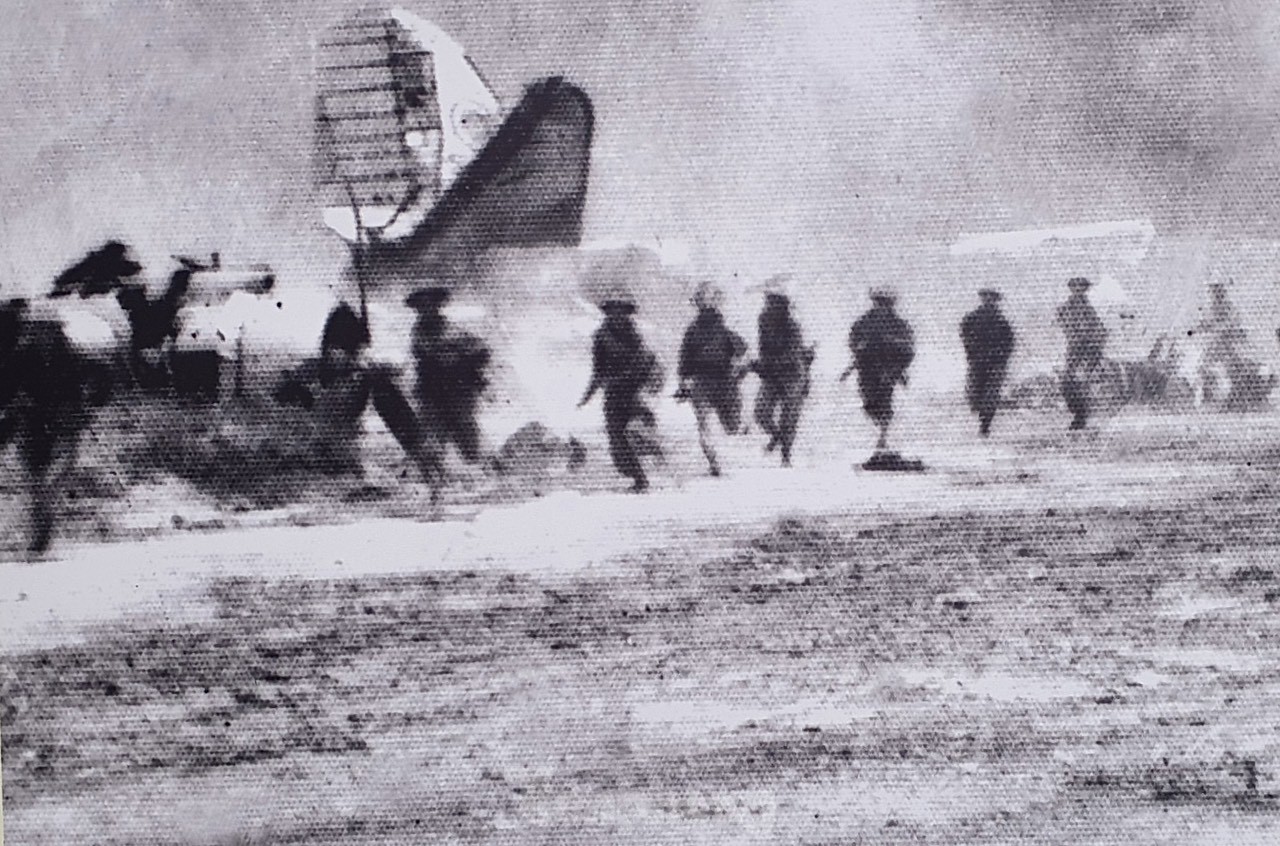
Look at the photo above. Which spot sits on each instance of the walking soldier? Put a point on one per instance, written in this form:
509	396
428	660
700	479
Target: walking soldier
1086	337
988	343
450	374
783	367
883	347
623	367
710	371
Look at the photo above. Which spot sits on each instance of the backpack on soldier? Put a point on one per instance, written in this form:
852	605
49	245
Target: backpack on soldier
650	371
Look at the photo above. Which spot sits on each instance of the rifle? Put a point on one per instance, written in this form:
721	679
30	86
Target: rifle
357	258
591	392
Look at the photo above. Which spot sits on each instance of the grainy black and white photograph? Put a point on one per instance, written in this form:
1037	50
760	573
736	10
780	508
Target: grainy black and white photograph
578	422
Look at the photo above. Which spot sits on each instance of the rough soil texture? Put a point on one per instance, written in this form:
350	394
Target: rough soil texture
1039	674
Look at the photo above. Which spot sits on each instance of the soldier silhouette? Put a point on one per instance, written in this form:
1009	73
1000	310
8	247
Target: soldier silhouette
782	363
1086	337
709	371
988	343
883	347
624	367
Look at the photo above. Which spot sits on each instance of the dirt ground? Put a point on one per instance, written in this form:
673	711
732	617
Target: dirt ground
1015	650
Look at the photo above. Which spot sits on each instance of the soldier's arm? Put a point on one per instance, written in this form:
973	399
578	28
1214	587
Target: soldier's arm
687	348
969	335
857	338
796	342
857	341
651	369
1099	328
907	343
739	350
597	367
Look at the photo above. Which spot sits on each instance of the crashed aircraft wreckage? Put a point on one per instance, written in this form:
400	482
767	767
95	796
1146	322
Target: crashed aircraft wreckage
421	171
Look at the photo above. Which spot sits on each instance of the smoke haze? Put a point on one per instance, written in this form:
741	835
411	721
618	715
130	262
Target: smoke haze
851	143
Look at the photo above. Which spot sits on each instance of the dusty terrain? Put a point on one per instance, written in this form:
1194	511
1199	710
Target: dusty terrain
1052	641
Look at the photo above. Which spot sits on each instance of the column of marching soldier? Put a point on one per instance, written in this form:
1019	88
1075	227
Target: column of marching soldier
44	383
712	363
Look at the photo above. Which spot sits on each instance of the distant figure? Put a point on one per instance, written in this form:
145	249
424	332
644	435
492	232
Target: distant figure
1226	354
988	343
451	377
883	347
710	370
42	408
1229	336
1086	337
783	367
624	367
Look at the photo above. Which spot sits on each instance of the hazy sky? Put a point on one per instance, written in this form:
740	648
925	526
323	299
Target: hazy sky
824	134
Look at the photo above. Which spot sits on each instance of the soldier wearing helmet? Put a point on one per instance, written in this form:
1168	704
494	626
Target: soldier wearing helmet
710	369
624	367
1086	336
451	378
883	347
988	343
782	364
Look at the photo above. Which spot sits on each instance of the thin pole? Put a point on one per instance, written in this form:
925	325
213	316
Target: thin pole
357	256
239	388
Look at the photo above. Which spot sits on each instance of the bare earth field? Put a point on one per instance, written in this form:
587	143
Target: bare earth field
1044	640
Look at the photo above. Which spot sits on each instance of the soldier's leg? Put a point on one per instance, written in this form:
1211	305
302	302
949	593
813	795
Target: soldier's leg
884	417
984	398
1085	399
394	409
729	407
435	443
617	414
1074	393
49	453
986	414
767	398
36	451
877	403
464	429
1068	389
41	510
995	390
973	388
792	404
704	413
